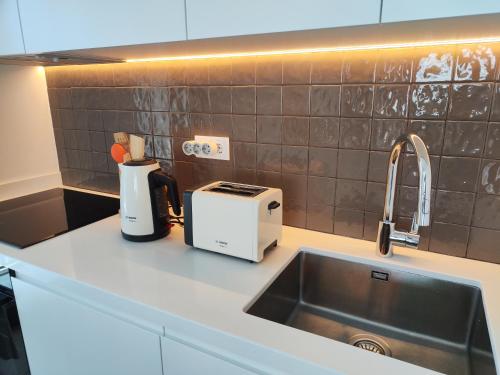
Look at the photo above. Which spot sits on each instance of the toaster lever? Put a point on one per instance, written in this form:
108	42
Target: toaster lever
272	206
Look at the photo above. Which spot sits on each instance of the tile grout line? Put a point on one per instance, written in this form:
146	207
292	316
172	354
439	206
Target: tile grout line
334	210
445	120
478	178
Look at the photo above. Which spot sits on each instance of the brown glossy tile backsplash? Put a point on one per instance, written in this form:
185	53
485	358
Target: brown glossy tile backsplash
319	126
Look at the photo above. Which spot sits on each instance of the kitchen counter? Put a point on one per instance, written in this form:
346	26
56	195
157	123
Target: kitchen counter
200	297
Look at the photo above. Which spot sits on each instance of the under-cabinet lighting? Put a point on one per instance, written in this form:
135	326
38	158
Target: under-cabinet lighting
366	47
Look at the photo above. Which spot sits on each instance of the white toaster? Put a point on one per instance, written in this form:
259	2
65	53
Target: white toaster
234	219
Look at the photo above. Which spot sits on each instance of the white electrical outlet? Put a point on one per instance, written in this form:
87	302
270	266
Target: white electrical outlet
213	147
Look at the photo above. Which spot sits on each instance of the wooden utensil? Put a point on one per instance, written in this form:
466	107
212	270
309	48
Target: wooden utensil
137	145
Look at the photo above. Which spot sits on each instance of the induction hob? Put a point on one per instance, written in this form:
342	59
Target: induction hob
34	218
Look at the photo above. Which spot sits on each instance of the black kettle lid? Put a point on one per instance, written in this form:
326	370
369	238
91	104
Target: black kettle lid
140	163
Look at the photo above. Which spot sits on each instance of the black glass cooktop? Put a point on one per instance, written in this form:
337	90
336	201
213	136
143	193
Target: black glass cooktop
34	218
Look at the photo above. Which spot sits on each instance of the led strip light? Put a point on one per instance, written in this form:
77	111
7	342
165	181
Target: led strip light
367	47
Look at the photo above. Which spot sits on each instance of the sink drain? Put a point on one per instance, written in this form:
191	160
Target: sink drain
371	343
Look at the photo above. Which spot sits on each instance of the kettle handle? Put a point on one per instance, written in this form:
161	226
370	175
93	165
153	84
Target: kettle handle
161	178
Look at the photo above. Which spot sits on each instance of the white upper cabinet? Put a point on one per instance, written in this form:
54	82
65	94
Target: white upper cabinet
218	18
11	37
406	10
58	25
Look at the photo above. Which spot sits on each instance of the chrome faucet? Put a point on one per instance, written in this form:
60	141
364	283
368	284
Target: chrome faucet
388	236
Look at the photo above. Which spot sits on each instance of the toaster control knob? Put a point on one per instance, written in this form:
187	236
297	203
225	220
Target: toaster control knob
272	206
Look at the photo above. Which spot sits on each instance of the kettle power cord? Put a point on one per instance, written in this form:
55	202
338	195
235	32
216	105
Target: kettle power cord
176	219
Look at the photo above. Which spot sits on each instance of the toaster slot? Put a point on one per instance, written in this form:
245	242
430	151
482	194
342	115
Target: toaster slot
237	189
232	191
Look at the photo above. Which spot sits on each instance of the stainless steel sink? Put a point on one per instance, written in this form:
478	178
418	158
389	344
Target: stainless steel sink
429	322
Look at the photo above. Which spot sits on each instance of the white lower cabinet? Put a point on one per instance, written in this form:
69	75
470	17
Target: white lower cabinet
65	337
182	359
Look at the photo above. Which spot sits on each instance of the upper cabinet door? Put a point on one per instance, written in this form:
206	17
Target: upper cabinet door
58	25
11	37
218	18
405	10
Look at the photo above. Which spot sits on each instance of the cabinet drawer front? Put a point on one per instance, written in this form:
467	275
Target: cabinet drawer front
218	18
58	25
65	337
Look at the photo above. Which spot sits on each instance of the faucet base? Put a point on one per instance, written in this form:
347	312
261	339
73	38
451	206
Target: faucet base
388	236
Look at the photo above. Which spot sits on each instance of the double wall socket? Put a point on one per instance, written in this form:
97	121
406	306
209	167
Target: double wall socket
207	147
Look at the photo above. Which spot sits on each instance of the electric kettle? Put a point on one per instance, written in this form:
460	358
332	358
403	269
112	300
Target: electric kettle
143	200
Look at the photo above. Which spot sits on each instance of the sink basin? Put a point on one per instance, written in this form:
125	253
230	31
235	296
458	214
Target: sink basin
429	322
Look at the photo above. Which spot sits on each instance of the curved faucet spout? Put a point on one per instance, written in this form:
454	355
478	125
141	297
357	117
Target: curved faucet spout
387	235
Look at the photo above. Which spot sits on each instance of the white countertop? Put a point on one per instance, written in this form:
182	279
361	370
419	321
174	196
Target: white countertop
190	291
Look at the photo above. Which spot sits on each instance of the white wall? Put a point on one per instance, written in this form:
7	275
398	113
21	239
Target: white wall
28	158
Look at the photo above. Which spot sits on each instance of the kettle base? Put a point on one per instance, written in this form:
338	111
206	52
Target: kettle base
147	237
